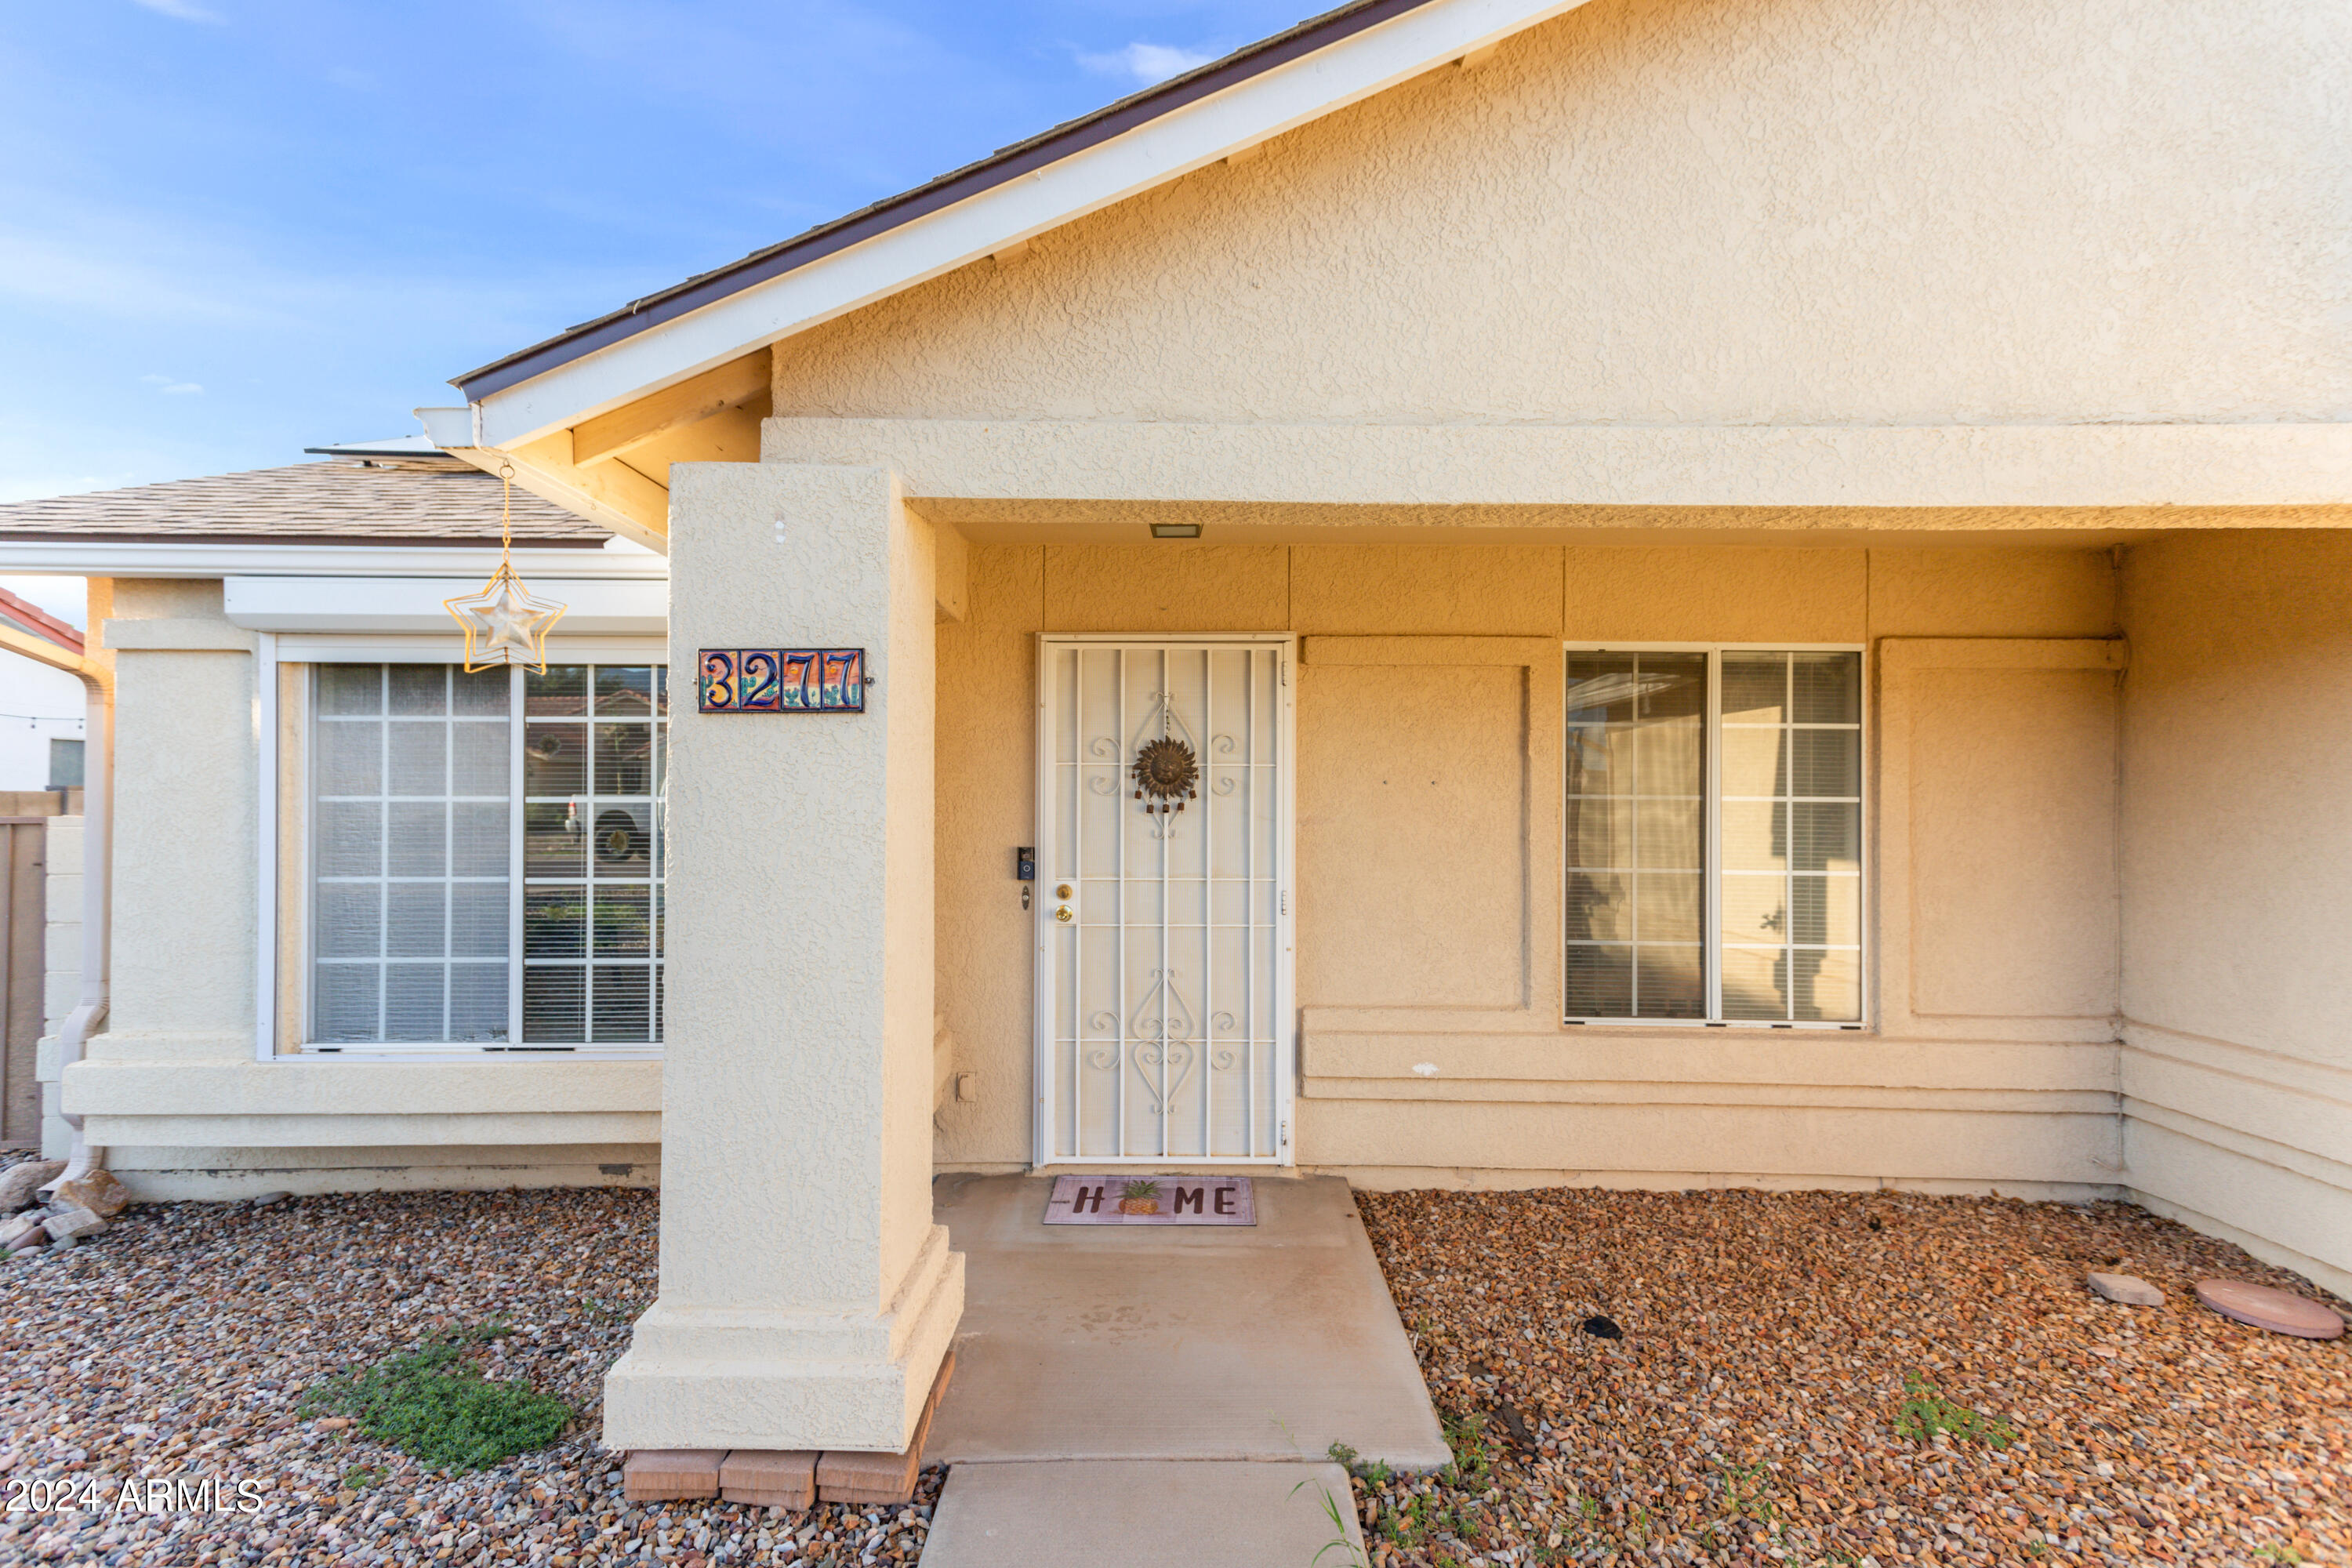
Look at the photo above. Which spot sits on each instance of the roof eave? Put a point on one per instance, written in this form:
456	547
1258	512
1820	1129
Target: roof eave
1134	145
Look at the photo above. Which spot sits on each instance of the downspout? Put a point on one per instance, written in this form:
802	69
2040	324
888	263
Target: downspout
97	866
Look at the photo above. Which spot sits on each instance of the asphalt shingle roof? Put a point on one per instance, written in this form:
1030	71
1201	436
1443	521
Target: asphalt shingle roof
304	503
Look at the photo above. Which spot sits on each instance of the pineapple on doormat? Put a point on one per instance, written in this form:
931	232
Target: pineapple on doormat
1139	1197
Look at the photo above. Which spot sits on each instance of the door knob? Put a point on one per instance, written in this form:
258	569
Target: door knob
1064	914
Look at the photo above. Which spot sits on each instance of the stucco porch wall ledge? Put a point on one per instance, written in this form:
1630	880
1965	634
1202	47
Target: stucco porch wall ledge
2118	464
1979	1147
323	1103
1399	1056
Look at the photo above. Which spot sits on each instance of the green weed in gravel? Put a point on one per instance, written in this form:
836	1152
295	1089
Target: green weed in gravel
434	1404
1926	1412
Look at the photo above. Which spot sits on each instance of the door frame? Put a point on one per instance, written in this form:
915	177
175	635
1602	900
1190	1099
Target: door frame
1286	1010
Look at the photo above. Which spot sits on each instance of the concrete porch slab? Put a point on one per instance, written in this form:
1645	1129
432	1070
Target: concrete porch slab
1266	1343
1094	1513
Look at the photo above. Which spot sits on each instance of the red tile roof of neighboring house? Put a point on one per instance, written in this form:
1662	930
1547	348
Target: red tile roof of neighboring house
404	503
29	616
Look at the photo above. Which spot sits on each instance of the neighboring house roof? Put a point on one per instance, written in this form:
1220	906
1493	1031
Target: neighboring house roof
30	618
1479	21
396	497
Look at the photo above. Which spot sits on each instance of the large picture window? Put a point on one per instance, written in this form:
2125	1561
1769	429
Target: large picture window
450	812
1714	834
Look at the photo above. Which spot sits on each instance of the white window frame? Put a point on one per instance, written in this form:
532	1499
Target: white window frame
275	650
1710	920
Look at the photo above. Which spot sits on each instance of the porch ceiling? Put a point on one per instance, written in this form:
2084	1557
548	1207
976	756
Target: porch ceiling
1275	522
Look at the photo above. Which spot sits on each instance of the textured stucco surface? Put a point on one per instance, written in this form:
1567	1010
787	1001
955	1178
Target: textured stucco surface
2237	837
171	1089
1428	857
1695	212
184	792
806	1298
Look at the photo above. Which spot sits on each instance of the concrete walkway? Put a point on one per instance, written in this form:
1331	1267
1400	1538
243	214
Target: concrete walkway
1138	1513
1130	1397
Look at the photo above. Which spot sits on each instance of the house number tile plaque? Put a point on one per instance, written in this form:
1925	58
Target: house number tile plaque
781	680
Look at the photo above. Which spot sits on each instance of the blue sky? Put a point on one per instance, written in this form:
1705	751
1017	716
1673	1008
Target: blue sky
233	229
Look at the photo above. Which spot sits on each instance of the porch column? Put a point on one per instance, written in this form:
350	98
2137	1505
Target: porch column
806	1298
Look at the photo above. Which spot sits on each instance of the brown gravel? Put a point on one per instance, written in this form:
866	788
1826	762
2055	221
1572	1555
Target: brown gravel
177	1345
1749	1413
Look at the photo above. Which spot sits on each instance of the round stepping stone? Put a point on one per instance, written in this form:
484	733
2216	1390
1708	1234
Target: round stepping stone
2280	1311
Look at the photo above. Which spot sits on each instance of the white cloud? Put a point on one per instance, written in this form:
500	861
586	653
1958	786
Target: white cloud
169	387
178	10
1146	63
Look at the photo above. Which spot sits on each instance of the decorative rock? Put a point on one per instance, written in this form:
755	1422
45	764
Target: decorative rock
70	1222
2124	1288
332	1423
265	1199
2281	1312
18	1183
98	1192
664	1474
1601	1328
24	1231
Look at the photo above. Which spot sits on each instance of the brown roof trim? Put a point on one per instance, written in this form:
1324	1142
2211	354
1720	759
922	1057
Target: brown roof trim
1006	165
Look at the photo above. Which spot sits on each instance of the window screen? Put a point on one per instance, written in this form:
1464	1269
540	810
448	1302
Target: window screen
1714	836
420	776
409	810
591	853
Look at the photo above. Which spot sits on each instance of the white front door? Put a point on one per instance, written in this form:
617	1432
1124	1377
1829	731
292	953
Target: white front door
1164	1023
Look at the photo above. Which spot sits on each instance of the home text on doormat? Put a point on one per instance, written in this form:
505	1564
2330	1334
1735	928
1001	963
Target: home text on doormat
1151	1200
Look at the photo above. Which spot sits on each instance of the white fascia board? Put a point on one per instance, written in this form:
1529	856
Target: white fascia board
1152	155
611	607
98	558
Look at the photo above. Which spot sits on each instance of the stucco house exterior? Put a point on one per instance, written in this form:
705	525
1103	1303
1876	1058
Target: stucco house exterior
1729	594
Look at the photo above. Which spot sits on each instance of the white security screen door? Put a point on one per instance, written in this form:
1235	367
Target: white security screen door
1163	917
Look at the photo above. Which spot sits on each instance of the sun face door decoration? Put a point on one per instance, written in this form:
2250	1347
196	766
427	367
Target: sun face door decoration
1165	775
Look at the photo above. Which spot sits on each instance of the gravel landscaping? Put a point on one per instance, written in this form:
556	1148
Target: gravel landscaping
1749	1412
176	1346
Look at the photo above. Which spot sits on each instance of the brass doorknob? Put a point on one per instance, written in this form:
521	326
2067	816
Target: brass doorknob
1064	914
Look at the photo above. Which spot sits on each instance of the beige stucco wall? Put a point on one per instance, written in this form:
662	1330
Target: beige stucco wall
2237	1068
1698	212
172	1088
1428	915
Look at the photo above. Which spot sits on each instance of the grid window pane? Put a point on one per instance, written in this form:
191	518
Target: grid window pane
414	771
592	854
1636	818
393	907
1749	904
554	1003
1600	981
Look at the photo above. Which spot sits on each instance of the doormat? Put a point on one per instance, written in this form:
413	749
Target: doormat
1151	1200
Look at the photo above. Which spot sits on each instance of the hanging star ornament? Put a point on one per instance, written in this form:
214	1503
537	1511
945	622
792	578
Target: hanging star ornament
505	623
